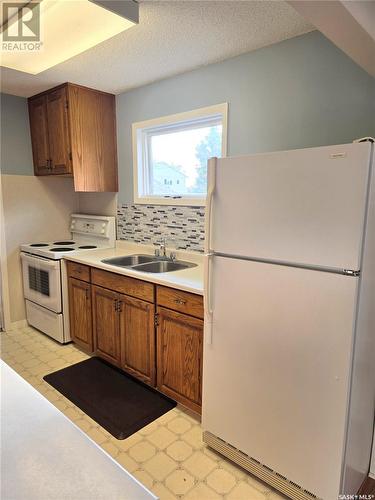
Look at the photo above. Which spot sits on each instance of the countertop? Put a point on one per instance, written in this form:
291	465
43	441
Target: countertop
44	455
189	280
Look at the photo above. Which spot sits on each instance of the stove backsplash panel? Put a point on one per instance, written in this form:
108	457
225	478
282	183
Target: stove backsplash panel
183	227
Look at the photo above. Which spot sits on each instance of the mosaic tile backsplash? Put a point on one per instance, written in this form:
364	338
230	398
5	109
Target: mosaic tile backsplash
183	227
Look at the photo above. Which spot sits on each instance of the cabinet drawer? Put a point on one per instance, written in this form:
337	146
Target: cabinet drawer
185	302
123	284
79	271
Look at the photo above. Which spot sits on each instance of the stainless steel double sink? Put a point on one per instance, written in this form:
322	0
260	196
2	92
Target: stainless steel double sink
149	263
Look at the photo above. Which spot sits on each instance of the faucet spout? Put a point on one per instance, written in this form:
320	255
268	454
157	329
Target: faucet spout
162	251
163	248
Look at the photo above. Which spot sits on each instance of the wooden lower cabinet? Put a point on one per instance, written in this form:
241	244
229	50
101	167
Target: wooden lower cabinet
121	329
106	324
137	338
124	332
179	358
80	313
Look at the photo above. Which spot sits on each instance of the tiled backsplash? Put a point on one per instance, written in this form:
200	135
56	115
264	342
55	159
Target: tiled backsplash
149	224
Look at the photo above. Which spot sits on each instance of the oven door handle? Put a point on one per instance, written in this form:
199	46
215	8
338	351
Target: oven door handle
46	262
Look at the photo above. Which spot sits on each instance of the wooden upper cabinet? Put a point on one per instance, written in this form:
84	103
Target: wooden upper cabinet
39	134
73	132
58	131
93	132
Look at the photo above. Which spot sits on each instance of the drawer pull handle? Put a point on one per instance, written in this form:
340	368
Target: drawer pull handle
181	302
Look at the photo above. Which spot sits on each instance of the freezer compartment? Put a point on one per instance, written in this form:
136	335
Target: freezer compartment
305	206
276	374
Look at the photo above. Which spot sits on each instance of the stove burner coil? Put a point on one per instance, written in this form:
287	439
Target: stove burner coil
62	249
85	247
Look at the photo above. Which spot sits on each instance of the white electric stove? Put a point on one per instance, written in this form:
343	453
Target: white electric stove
44	272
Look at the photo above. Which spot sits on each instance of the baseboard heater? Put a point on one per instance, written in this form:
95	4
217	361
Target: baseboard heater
269	476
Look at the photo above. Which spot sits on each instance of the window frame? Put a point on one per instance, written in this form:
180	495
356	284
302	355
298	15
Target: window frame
141	134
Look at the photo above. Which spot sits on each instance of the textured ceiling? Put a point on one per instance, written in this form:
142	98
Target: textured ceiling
172	37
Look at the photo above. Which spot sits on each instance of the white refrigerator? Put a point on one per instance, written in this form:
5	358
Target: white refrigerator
289	354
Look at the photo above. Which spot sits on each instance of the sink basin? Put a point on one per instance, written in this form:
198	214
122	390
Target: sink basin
148	263
163	266
129	260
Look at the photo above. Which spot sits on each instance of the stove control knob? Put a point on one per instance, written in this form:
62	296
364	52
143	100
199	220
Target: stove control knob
102	231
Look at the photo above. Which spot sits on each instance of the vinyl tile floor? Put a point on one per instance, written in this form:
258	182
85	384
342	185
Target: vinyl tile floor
168	456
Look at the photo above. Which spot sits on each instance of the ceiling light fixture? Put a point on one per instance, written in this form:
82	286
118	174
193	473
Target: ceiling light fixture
67	28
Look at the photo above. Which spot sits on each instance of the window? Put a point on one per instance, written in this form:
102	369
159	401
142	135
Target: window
170	155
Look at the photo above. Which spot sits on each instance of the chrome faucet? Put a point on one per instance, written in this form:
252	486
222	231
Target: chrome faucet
163	248
162	251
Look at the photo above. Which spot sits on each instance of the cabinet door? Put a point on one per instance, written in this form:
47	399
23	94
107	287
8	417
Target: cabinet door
137	338
179	357
106	324
58	131
93	132
80	313
39	134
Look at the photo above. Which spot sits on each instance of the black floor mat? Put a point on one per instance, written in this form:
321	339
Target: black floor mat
117	401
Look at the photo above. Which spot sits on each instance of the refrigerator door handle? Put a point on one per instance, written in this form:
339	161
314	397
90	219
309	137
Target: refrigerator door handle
211	177
207	299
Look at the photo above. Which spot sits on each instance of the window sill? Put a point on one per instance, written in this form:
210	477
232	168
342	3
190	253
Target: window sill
183	201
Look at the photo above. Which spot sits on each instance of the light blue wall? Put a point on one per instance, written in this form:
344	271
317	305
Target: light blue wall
298	93
16	155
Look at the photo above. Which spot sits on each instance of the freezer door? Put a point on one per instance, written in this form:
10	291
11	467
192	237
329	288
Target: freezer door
276	371
304	206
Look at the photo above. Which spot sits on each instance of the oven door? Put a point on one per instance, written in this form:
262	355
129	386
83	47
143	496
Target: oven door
42	281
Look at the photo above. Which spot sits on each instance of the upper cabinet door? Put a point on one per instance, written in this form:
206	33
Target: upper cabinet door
73	131
93	132
39	135
58	131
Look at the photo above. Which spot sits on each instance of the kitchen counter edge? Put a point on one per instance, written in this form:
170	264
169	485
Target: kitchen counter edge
186	283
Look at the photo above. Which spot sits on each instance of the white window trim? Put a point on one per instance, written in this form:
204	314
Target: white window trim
139	152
